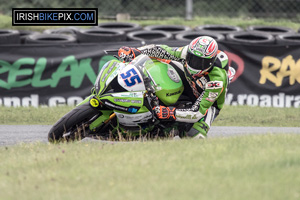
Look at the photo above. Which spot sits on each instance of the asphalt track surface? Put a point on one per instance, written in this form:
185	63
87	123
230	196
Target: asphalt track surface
15	134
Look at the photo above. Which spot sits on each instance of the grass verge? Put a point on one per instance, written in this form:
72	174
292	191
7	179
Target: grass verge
229	116
249	167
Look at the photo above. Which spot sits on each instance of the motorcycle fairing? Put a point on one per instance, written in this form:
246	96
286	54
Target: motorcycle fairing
168	85
131	79
108	72
127	119
130	102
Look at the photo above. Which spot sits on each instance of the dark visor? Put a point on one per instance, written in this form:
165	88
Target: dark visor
197	62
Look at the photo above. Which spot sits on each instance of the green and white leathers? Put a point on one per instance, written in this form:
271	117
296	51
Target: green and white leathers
208	82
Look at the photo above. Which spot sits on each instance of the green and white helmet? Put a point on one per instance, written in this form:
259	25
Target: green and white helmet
201	55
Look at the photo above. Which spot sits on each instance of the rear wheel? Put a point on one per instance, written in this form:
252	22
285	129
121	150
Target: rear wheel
74	125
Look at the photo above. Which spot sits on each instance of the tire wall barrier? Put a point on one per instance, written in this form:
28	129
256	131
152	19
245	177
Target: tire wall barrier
250	38
49	39
98	35
125	31
188	36
120	26
59	67
274	30
173	29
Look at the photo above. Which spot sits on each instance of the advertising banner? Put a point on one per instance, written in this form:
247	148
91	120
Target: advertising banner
266	75
52	75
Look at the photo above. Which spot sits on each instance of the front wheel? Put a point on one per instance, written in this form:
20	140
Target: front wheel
74	122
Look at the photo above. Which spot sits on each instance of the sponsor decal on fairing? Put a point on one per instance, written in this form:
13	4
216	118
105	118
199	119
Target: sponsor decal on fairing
133	119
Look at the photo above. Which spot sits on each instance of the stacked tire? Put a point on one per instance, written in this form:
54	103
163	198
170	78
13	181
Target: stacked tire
49	39
190	35
288	39
120	26
282	35
219	29
248	37
172	29
107	32
273	30
53	36
9	36
26	33
145	36
98	35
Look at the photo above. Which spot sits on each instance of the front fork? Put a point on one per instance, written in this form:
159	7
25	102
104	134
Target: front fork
105	117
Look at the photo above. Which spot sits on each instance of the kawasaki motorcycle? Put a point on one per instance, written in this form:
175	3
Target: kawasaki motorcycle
120	106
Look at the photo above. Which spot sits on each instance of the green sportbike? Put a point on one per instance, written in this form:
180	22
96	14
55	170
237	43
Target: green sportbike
120	106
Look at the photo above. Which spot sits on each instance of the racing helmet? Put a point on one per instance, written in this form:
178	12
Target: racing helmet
201	55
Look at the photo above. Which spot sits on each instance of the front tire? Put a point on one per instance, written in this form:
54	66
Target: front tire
78	117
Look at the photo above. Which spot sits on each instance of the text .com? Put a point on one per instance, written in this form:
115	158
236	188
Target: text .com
54	17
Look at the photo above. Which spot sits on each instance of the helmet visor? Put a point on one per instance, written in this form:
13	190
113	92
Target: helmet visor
199	63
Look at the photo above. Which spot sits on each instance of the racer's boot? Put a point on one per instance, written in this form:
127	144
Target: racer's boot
199	130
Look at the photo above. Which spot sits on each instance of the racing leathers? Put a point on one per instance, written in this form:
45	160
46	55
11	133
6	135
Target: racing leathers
208	90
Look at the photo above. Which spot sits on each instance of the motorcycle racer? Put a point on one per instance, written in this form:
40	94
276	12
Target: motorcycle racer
207	76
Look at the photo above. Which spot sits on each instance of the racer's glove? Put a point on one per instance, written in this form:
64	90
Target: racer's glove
127	53
231	73
165	113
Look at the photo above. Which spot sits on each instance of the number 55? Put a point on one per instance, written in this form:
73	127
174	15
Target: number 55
131	77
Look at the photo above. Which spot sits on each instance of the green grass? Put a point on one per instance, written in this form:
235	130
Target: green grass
31	115
229	116
250	167
258	116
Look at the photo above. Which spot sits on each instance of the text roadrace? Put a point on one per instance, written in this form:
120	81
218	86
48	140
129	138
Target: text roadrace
275	70
280	100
